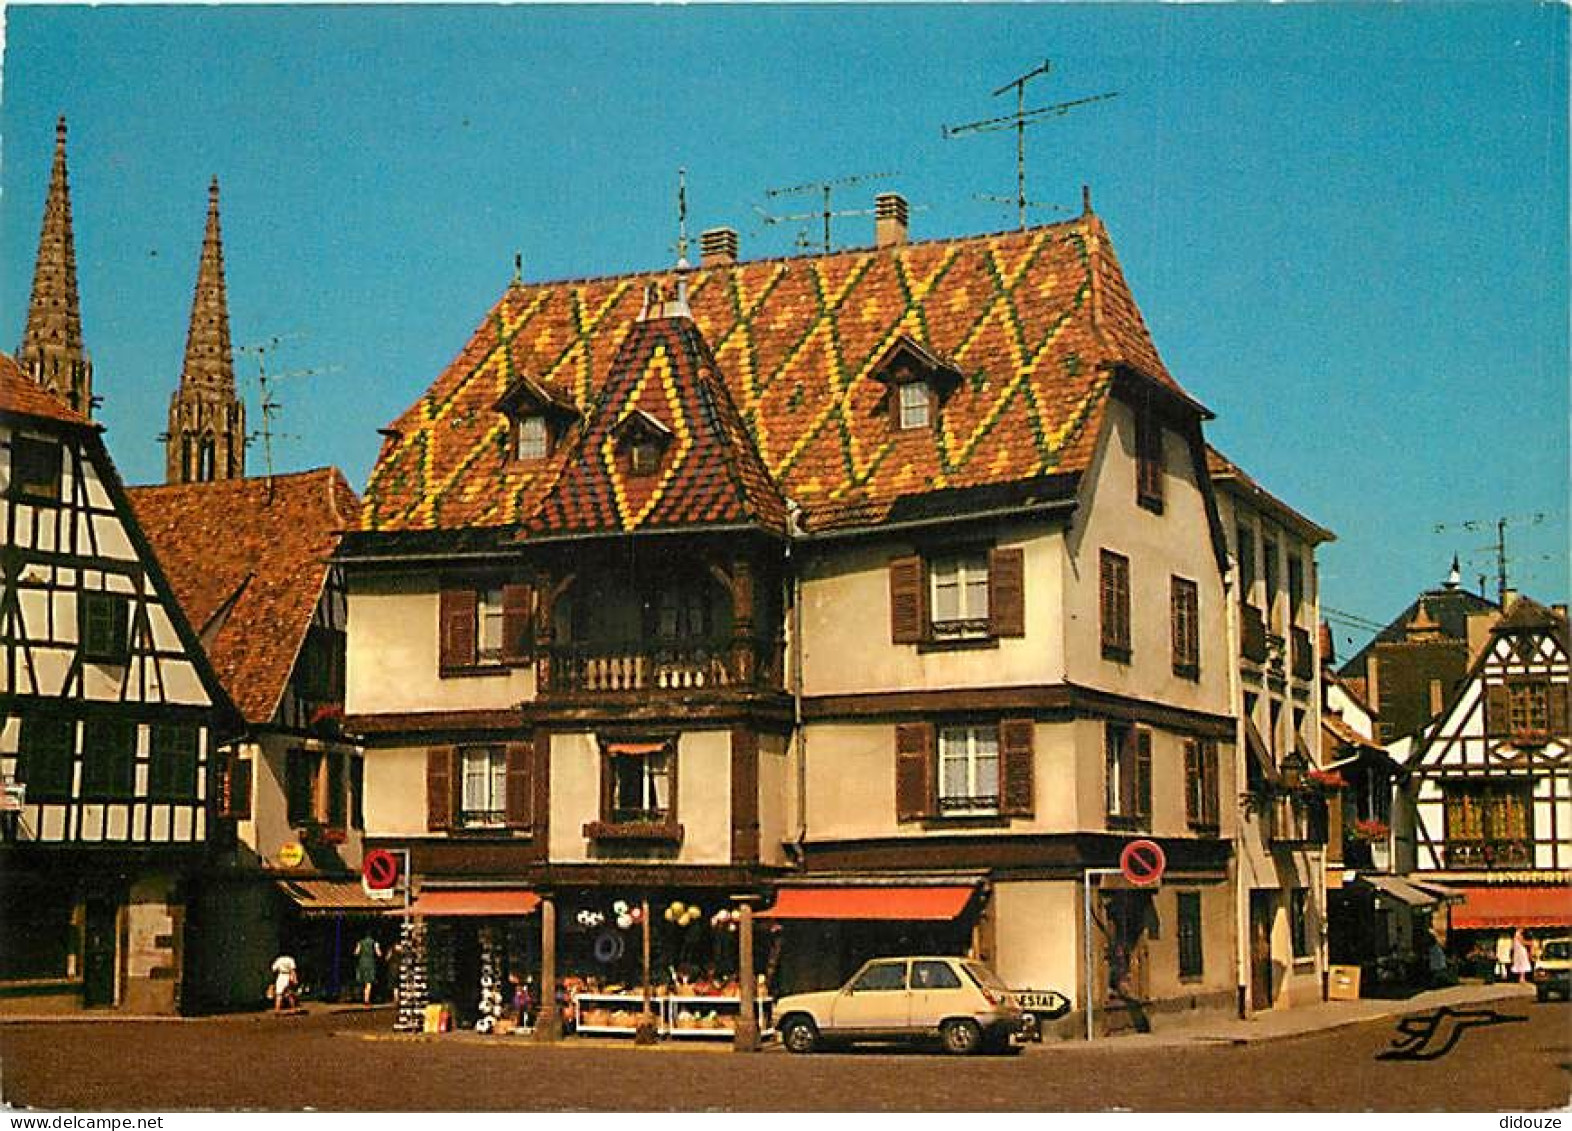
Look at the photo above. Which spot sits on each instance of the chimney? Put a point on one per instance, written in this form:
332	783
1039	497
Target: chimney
889	219
718	247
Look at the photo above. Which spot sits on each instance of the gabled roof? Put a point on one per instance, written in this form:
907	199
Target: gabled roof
1035	320
1528	615
1225	472
248	561
663	381
1448	607
20	395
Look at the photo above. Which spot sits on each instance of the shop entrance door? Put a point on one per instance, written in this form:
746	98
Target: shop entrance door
1263	910
100	944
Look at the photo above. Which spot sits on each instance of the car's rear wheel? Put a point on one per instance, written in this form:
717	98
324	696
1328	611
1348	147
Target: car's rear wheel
961	1037
799	1035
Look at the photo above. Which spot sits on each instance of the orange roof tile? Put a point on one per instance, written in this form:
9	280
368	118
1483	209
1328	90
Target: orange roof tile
21	395
248	563
1033	320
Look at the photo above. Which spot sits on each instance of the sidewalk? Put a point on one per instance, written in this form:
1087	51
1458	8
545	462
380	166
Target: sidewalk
1168	1031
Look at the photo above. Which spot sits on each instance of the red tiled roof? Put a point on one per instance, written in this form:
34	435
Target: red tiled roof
248	563
1032	320
22	396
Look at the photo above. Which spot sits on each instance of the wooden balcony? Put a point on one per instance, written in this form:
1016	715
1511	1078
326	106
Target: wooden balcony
1252	634
1490	854
615	669
1297	822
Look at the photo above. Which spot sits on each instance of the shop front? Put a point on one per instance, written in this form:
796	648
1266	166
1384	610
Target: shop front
1481	924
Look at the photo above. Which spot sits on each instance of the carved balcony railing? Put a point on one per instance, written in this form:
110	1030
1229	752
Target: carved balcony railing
1490	854
610	669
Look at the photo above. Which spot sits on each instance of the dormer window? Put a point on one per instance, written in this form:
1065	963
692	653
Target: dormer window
537	418
644	457
531	438
642	440
918	383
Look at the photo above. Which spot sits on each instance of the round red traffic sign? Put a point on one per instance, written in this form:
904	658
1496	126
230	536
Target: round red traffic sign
1142	862
380	869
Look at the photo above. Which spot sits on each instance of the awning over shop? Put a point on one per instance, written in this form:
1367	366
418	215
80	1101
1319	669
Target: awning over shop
495	902
1513	905
937	903
1440	891
331	897
1402	891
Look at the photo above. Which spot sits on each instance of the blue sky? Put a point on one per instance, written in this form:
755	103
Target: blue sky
1346	225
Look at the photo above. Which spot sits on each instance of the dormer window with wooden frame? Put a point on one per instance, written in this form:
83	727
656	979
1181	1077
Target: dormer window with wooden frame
962	596
641	443
537	419
918	381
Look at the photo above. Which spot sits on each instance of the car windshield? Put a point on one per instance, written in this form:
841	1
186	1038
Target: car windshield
984	977
1561	948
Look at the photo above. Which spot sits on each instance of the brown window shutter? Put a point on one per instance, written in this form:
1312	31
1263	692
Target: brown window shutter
439	788
913	771
1498	709
908	601
518	622
1015	750
1559	723
519	804
1193	776
744	795
1143	773
458	649
1212	787
1007	592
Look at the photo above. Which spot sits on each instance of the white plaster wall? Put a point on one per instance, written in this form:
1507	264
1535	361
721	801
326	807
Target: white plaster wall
1037	936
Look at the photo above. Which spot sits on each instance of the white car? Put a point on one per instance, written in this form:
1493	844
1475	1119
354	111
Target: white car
956	1001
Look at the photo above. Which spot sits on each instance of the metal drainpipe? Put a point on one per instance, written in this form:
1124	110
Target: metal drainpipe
799	734
1242	959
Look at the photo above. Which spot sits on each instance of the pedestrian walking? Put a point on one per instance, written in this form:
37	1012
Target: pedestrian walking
1522	963
286	979
367	952
1503	957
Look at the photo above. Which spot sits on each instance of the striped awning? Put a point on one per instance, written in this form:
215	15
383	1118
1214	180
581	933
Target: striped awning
332	897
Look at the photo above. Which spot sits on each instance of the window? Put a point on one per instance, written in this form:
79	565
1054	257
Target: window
1489	824
968	769
958	595
1269	571
915	405
233	788
682	609
1244	544
1299	921
881	976
302	769
172	765
1185	604
1129	775
1115	606
640	782
37	935
644	457
929	975
1296	587
488	621
484	626
108	758
1189	931
1149	460
484	773
1529	707
531	438
1201	784
104	623
357	792
35	469
44	757
320	674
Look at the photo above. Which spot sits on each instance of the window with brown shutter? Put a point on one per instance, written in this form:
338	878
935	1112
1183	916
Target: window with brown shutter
1143	774
1498	710
519	800
1559	723
1114	576
914	757
908	601
518	622
458	645
1007	592
439	788
1201	785
1128	780
1149	460
1185	615
1016	753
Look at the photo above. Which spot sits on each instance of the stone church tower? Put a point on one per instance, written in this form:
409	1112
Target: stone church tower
52	352
207	421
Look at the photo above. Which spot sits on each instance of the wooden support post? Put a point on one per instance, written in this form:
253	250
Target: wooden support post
746	1035
646	1031
548	1022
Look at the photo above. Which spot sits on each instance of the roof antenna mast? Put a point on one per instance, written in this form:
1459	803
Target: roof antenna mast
270	405
825	213
1018	121
1475	525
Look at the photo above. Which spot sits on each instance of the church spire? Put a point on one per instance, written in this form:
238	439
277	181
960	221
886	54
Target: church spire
52	351
207	421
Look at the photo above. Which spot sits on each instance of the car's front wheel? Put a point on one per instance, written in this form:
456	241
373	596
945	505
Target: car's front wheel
799	1035
961	1037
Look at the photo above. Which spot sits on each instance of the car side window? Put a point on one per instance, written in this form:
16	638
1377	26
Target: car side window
934	976
884	976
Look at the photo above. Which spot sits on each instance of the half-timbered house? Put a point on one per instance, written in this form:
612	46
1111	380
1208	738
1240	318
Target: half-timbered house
1488	790
111	714
884	586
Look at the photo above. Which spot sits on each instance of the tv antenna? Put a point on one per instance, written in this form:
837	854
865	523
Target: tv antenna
1476	525
271	406
1018	121
826	213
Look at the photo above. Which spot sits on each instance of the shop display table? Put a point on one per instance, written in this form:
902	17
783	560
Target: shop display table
684	1017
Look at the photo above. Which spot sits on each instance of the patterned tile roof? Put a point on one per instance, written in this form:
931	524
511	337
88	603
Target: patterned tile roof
22	396
710	473
1033	320
248	564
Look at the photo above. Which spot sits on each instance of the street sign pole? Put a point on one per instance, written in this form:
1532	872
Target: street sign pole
1086	933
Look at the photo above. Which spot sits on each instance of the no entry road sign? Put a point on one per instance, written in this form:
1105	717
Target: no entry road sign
380	869
1142	863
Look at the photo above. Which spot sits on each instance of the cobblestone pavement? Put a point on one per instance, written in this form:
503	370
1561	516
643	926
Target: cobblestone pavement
347	1060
